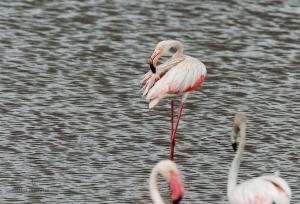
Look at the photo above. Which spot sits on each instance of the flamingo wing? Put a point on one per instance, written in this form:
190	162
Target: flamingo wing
282	187
150	78
183	77
261	190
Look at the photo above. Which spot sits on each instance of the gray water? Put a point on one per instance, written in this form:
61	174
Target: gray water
75	129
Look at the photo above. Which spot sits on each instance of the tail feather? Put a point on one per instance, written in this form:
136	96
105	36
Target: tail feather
153	102
150	83
145	78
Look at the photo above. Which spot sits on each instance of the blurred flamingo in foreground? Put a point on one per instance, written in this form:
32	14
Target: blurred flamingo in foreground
169	171
261	190
179	75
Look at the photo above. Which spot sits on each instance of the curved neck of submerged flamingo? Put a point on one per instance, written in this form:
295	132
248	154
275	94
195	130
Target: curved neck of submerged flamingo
155	195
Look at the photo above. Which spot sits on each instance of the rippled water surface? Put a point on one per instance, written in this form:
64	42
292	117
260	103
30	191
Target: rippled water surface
75	129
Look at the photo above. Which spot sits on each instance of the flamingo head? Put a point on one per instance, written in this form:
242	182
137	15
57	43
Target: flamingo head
163	48
233	137
169	171
239	119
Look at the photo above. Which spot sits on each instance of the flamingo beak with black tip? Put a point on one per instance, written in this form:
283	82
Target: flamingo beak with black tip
176	188
233	137
153	60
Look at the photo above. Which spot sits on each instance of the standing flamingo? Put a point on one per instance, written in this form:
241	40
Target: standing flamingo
179	75
261	190
169	171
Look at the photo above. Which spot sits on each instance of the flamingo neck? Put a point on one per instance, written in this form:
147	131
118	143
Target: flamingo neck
177	57
179	48
235	165
155	195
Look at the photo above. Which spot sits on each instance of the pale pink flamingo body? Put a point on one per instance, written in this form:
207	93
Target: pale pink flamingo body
170	173
179	75
262	190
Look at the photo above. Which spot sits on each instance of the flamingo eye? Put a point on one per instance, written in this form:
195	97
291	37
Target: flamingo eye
173	50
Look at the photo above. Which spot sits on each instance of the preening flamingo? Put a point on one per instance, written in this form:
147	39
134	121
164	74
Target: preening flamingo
169	171
179	75
261	190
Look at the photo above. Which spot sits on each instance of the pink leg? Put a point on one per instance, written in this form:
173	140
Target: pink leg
172	115
174	131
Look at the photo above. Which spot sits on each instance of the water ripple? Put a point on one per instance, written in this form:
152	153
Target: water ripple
74	127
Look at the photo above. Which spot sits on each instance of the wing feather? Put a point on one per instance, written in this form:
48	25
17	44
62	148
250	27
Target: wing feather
185	76
264	190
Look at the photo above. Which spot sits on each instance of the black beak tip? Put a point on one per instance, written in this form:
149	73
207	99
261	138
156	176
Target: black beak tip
152	68
177	200
234	146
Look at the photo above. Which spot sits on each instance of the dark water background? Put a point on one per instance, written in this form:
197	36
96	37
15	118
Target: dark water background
73	125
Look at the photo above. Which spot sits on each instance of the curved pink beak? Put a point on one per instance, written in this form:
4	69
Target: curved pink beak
153	60
176	188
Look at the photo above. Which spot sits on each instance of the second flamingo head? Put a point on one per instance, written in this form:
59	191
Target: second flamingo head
171	174
239	119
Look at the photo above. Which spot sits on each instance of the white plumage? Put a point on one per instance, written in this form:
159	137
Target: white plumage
179	79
